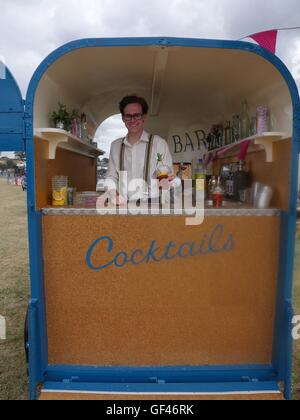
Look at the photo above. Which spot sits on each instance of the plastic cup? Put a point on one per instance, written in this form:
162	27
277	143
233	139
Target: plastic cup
217	198
264	198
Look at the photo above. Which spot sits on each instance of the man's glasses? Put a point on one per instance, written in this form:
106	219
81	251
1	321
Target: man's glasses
130	117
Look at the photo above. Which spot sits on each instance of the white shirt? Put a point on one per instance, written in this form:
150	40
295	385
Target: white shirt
134	160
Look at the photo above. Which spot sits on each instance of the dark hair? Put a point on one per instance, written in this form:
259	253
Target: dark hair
134	99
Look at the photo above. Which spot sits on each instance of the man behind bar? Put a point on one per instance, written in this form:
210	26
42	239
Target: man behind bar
135	154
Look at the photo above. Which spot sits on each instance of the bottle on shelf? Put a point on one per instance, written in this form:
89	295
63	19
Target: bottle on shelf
245	121
75	130
253	126
236	128
200	174
240	180
209	142
227	133
83	126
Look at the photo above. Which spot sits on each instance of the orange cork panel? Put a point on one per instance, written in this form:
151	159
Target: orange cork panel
50	396
215	307
81	171
276	174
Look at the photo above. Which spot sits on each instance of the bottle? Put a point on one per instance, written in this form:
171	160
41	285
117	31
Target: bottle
240	180
245	121
228	183
236	128
227	134
182	169
83	125
75	124
200	174
209	142
253	126
211	187
218	195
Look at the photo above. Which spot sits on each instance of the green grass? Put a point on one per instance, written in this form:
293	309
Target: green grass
14	294
14	290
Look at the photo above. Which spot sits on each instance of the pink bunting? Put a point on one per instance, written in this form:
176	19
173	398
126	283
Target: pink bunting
267	40
244	150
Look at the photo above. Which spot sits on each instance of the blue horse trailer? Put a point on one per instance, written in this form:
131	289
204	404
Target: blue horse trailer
124	306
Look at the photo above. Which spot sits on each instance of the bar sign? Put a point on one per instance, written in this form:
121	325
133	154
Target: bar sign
2	328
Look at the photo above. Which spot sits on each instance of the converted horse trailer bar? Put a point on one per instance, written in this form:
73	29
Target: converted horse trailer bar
177	324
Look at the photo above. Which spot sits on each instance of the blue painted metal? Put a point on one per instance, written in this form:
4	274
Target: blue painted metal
38	345
288	380
280	333
11	115
283	344
33	348
174	374
36	256
161	388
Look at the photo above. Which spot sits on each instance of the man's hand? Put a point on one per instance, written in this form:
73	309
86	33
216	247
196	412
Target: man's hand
118	200
171	178
165	184
111	198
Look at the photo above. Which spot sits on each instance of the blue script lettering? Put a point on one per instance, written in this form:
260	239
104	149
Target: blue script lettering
214	243
135	254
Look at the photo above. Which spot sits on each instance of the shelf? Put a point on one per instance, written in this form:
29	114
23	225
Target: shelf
64	140
264	141
267	140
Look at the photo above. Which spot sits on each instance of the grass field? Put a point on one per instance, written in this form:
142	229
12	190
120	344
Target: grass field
14	294
14	290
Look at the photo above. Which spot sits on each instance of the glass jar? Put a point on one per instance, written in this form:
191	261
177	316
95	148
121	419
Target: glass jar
162	171
262	115
60	191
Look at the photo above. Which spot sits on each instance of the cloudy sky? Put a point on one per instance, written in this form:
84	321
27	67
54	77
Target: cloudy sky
31	29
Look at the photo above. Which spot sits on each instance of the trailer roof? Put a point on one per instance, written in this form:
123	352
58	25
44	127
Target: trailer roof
182	84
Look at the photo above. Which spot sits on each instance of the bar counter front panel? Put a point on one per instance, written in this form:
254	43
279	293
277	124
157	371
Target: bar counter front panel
151	291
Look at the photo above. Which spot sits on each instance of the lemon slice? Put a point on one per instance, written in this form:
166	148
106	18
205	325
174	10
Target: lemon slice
58	202
57	196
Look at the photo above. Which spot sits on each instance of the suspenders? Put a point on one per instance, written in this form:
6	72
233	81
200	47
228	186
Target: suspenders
148	155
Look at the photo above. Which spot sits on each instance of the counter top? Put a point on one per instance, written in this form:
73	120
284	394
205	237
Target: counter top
234	209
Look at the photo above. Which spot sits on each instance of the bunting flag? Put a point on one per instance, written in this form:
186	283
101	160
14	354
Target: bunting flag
244	150
267	40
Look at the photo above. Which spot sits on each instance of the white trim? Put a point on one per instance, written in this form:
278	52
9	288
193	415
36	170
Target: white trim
48	391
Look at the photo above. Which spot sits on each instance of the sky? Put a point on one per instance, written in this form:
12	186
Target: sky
31	29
